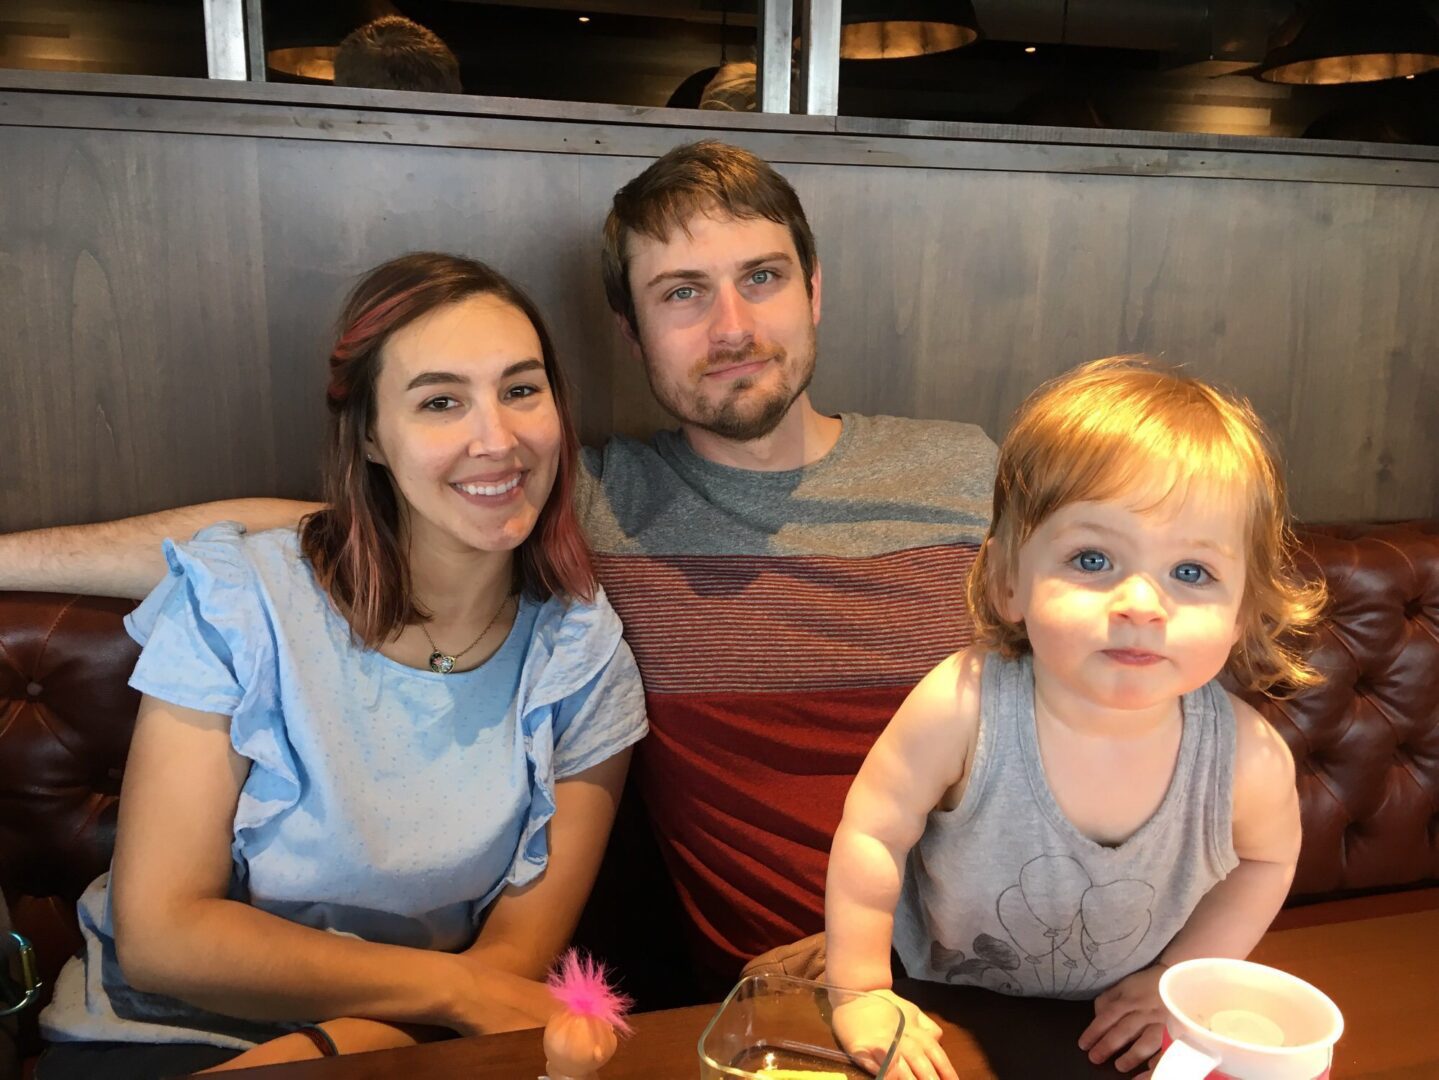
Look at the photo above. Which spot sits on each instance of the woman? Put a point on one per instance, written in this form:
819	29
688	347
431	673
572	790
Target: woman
376	761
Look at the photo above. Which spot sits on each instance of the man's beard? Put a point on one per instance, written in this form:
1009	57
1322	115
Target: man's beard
735	418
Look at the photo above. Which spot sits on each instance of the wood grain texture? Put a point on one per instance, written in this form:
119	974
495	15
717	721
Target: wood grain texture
973	287
135	343
1378	971
168	295
298	96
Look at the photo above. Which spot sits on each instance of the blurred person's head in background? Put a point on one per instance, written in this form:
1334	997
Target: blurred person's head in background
393	53
733	89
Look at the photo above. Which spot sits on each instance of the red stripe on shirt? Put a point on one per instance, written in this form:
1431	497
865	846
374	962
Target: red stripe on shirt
745	792
790	623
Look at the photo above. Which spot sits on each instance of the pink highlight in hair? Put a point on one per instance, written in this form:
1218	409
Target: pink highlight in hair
375	321
356	338
581	984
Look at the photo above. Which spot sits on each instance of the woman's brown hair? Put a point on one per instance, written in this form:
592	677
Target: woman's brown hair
354	543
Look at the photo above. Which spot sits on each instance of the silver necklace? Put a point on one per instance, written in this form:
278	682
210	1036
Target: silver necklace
442	663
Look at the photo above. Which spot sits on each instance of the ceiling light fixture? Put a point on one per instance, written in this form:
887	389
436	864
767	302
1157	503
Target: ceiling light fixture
1334	41
880	30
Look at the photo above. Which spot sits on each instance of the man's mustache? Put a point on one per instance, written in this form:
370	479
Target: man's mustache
727	358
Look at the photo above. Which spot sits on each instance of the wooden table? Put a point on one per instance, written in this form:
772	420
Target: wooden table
1383	974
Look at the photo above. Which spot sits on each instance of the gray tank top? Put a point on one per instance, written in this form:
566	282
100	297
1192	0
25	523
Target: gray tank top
1004	892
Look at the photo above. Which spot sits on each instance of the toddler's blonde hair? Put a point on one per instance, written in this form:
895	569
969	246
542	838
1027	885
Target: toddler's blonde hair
1126	423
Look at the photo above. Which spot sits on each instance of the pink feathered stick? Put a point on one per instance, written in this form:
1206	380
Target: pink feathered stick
581	1037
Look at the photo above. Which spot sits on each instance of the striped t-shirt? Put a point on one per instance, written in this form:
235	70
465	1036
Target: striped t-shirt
778	619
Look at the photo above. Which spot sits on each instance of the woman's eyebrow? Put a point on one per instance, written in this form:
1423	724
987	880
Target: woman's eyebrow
435	378
439	378
518	366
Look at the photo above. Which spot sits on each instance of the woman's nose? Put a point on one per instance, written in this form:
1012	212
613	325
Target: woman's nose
490	432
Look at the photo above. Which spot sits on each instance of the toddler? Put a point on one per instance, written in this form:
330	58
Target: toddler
1075	802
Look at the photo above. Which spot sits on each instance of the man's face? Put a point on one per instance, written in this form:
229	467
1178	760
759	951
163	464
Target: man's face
726	325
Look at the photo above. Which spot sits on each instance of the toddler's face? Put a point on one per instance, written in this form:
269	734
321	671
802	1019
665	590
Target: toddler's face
1129	606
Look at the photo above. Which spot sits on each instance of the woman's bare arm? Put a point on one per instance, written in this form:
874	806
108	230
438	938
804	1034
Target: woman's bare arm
123	558
177	934
523	932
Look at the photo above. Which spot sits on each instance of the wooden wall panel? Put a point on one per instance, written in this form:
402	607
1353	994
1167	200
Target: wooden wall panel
331	211
134	339
166	297
1312	299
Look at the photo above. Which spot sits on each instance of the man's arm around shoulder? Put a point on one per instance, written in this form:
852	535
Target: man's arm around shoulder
124	558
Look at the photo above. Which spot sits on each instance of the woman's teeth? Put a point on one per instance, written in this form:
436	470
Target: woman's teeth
489	489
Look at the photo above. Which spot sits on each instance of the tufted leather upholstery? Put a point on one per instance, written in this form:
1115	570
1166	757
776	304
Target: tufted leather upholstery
65	720
1366	744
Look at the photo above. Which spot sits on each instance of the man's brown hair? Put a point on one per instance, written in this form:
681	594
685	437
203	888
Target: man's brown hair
708	177
393	53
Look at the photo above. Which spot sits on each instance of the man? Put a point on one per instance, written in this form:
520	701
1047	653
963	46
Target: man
784	576
393	53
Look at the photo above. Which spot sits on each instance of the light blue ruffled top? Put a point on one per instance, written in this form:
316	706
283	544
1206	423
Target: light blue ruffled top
382	801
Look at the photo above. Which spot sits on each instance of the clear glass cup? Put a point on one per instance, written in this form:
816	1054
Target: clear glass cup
780	1022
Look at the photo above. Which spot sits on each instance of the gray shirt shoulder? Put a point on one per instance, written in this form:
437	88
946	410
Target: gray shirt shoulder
889	483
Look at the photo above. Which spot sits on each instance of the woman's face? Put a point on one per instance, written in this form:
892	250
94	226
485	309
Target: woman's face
467	425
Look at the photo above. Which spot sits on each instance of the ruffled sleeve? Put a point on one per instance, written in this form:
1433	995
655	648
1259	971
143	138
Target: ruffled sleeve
603	717
580	702
208	643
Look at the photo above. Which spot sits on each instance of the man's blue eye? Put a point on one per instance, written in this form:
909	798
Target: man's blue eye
684	292
761	277
1192	574
1091	562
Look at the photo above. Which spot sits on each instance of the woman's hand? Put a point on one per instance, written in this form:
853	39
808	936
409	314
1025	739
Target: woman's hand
487	998
865	1028
495	984
1128	1014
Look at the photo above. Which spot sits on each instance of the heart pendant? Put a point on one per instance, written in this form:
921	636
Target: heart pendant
440	663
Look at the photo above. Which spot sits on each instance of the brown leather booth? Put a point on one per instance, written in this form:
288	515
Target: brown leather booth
1366	744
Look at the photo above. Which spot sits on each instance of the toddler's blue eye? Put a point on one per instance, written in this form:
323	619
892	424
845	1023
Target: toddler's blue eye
1091	562
1192	574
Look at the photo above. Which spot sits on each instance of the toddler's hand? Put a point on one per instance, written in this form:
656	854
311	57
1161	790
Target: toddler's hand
864	1028
1128	1014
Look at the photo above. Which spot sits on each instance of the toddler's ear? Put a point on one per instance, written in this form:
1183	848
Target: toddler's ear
1001	590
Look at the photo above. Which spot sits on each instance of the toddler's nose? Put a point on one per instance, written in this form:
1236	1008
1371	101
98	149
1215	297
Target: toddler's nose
1137	600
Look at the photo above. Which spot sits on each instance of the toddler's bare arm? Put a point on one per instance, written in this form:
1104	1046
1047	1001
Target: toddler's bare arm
1234	915
921	754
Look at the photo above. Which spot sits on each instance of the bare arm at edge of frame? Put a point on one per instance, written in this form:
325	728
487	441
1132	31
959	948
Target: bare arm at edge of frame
124	558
